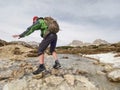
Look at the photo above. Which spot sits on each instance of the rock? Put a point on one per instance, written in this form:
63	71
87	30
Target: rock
18	73
108	68
20	43
33	44
3	77
14	52
96	62
38	76
54	80
99	41
5	74
65	86
100	73
17	58
65	57
24	64
55	72
85	84
117	55
60	72
16	85
76	43
34	51
32	55
70	79
34	84
17	51
78	72
114	75
5	64
2	43
117	65
80	54
27	67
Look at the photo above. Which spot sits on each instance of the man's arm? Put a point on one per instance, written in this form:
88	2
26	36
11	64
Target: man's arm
30	29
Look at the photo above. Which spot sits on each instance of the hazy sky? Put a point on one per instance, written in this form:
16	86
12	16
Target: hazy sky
84	20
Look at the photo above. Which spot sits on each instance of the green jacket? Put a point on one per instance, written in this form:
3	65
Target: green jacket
38	25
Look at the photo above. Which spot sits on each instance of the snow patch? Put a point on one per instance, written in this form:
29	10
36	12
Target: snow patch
107	58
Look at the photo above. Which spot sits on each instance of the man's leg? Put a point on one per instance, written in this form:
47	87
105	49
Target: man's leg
43	45
53	52
57	63
55	55
41	59
41	67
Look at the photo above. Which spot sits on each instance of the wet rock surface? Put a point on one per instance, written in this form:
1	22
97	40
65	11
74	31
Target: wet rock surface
77	73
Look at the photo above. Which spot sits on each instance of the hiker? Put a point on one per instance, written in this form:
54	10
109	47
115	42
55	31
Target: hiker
49	38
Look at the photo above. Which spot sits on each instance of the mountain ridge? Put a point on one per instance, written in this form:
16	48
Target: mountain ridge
81	43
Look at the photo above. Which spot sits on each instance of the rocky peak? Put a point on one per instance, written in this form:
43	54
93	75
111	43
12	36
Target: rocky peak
99	41
79	43
95	42
76	43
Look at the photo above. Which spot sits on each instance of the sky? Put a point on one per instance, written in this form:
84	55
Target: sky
84	20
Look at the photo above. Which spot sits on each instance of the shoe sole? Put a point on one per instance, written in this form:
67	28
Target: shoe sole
40	75
57	67
40	72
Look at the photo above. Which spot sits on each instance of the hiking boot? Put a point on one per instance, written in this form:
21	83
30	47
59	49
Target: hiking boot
40	69
56	65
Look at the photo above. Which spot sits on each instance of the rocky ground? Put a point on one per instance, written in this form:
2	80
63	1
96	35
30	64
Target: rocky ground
77	73
18	61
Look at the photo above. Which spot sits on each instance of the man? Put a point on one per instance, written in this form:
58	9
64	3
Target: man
48	38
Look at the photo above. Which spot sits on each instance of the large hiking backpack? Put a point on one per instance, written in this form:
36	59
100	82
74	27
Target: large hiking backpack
52	24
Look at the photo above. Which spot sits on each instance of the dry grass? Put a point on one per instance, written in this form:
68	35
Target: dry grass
92	49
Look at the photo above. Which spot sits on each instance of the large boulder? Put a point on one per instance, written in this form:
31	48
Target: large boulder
114	75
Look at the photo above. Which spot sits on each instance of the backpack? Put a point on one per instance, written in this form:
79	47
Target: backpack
52	24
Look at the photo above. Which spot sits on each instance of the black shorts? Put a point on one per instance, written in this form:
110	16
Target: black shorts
50	39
